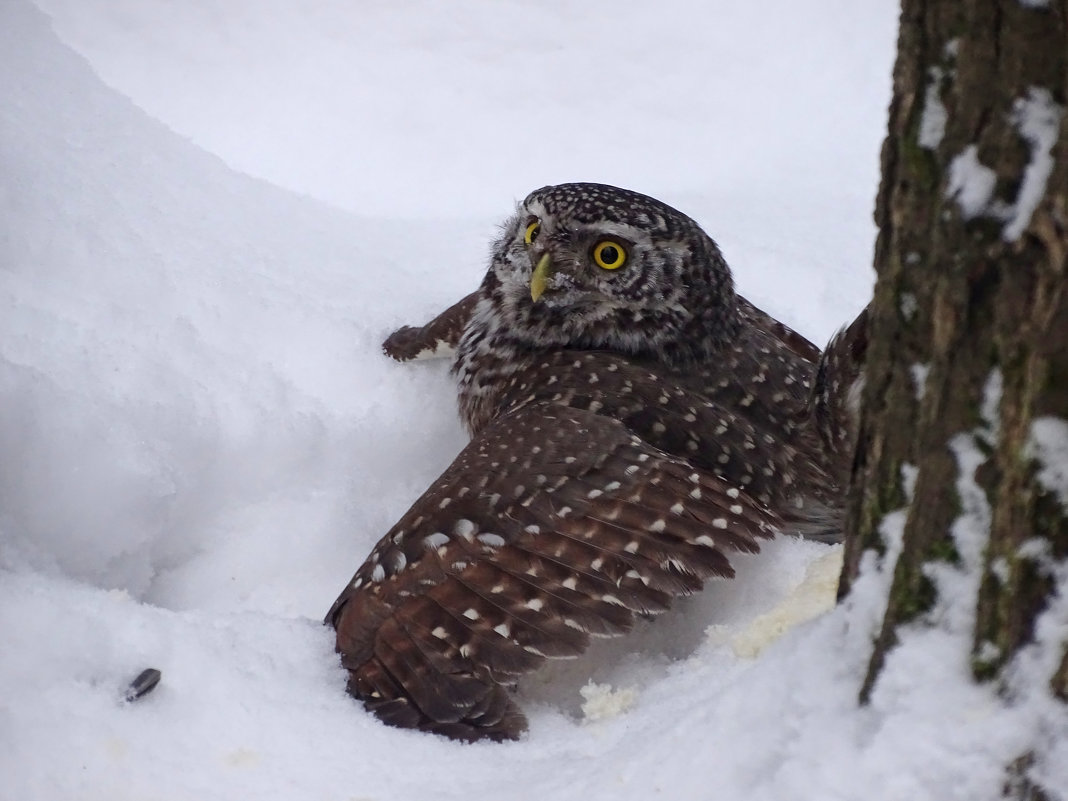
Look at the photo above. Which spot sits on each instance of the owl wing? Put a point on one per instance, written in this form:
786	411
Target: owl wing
437	338
801	347
835	401
754	436
554	525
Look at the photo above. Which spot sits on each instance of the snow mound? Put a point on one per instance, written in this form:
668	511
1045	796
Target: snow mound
814	596
200	440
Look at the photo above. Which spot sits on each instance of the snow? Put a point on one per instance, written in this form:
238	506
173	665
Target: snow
463	111
910	473
971	183
958	584
919	372
814	596
602	701
1048	446
909	304
990	406
933	117
210	216
1038	119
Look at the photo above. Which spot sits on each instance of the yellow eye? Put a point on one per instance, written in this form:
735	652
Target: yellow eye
532	232
609	255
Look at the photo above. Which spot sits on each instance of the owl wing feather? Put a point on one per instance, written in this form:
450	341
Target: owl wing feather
732	432
436	338
839	379
523	549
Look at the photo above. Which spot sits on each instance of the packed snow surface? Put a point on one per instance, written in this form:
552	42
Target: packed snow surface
210	216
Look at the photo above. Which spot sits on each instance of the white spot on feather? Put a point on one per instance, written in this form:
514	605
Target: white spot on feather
464	528
435	540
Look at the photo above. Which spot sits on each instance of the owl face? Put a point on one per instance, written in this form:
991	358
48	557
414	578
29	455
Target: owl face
591	247
590	265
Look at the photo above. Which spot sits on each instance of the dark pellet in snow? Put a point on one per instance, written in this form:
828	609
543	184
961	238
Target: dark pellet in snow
145	683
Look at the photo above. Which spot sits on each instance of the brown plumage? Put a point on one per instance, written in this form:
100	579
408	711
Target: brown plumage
633	422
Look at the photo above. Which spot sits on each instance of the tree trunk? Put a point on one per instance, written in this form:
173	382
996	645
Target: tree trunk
966	395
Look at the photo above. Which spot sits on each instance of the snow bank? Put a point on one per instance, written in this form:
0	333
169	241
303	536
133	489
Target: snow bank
200	440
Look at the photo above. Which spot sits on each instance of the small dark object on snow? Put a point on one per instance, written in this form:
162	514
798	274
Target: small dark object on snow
145	683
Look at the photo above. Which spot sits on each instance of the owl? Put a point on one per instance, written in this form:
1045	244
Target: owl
634	421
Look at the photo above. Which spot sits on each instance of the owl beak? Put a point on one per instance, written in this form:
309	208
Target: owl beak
540	278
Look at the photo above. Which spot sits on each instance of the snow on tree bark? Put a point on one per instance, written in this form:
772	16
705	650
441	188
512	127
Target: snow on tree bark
969	331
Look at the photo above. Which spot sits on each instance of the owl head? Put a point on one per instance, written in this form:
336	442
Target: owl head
597	267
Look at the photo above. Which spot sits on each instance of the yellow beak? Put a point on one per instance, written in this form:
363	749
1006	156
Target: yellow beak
540	279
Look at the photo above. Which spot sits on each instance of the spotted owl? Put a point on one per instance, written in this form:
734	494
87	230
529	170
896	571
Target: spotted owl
634	421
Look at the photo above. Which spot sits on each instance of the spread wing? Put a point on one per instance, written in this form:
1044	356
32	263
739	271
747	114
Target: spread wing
554	525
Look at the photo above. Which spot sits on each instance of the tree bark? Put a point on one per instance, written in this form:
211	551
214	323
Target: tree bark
967	367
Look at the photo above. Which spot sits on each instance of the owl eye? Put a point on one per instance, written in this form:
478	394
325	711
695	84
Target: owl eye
609	255
532	232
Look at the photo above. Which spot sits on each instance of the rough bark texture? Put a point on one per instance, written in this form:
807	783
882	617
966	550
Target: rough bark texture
960	304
